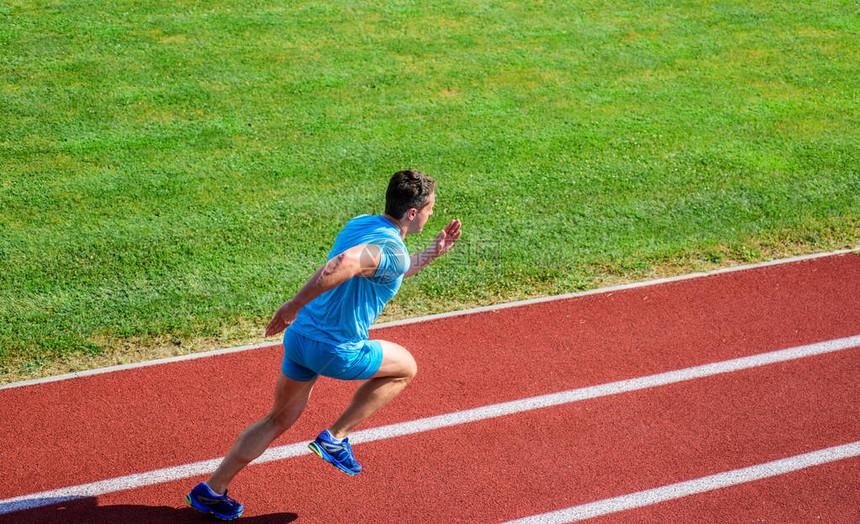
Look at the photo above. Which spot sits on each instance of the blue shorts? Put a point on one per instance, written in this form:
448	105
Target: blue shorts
305	359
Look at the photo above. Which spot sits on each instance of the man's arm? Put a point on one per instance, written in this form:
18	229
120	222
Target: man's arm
441	245
361	260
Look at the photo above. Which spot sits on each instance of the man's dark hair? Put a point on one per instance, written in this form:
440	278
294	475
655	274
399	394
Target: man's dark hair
408	189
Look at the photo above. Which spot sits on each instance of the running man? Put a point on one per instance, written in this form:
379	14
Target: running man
326	333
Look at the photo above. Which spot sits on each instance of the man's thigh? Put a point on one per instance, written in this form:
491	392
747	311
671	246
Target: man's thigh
396	361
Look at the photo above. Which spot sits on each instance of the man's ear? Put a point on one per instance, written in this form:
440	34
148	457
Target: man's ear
411	213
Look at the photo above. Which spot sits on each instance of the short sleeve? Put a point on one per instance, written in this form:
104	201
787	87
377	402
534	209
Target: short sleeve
393	261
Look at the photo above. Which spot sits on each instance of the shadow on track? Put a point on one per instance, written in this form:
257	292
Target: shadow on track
87	510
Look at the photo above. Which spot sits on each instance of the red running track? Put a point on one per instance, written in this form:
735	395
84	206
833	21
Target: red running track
103	426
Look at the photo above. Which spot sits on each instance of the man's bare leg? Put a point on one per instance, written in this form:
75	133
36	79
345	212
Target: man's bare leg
291	397
397	370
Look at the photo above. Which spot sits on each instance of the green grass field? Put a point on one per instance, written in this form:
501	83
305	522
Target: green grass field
170	172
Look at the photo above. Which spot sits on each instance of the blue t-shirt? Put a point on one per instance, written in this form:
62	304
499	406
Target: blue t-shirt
342	316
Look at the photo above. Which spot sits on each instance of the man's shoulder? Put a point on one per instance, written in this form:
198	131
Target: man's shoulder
373	227
367	229
362	223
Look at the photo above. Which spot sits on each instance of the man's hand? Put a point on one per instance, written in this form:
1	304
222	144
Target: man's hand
285	316
446	238
441	245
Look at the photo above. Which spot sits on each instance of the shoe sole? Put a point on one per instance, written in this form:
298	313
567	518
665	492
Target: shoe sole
323	454
204	509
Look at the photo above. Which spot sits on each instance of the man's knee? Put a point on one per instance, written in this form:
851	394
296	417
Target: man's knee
282	421
410	368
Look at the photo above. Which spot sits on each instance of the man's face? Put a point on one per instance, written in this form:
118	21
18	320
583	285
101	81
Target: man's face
424	213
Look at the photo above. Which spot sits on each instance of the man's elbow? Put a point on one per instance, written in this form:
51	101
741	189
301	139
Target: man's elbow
340	265
353	262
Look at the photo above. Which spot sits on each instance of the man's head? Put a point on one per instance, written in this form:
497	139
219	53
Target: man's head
410	198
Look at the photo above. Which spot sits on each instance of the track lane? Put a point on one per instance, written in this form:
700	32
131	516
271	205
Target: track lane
825	493
551	458
106	425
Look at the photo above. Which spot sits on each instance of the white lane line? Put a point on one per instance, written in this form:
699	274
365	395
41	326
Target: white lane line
158	476
691	487
437	316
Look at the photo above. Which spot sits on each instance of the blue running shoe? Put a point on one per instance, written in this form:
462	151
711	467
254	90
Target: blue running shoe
204	499
339	454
